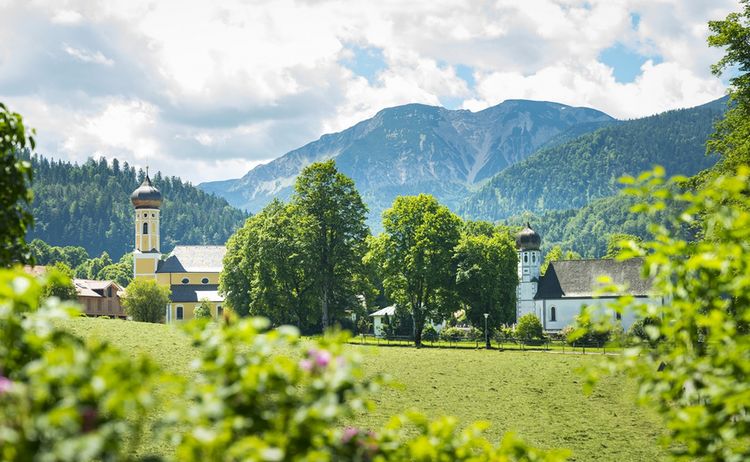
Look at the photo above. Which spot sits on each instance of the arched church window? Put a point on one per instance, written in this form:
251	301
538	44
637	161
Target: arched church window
145	228
153	215
185	280
179	313
553	314
204	280
525	257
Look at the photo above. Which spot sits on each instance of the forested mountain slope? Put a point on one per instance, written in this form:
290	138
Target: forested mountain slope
416	149
89	206
572	174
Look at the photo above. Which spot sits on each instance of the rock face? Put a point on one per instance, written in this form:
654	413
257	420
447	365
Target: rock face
416	149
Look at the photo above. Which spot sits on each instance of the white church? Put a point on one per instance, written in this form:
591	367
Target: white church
557	297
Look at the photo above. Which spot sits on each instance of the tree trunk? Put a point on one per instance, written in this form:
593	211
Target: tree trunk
418	326
324	308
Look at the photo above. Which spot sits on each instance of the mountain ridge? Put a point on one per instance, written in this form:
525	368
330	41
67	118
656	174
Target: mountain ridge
417	148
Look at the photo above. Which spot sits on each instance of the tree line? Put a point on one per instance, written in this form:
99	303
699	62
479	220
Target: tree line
88	205
312	262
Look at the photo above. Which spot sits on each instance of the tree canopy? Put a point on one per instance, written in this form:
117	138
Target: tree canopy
15	193
335	217
487	276
415	253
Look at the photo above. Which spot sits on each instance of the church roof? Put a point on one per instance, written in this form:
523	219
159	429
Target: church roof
194	259
195	293
146	196
578	278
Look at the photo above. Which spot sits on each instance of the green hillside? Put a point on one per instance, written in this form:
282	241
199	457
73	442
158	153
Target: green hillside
571	175
89	206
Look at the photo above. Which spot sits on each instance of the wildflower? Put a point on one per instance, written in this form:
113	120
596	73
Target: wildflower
349	434
5	385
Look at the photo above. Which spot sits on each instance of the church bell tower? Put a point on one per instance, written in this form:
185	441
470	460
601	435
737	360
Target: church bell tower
528	242
146	200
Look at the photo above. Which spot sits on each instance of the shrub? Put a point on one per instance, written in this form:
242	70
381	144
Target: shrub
430	334
529	327
63	398
452	334
475	334
587	333
646	330
203	311
146	300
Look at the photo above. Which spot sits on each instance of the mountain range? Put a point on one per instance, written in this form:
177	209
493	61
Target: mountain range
517	156
416	148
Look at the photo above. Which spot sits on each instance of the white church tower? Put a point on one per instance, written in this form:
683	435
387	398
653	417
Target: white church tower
529	262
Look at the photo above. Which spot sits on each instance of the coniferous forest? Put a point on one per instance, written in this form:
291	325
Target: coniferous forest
89	205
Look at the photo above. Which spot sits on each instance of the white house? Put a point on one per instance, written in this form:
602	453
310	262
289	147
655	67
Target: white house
557	297
378	320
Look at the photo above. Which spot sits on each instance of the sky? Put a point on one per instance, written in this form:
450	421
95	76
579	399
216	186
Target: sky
207	90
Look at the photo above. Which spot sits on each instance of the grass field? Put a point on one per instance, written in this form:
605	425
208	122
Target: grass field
538	395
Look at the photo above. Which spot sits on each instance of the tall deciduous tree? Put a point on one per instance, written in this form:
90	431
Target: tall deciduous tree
335	218
416	257
15	195
732	137
486	278
146	300
268	269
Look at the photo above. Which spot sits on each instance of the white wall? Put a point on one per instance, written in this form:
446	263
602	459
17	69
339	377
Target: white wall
568	309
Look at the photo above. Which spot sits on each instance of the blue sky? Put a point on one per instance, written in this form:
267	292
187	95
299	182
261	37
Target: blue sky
207	90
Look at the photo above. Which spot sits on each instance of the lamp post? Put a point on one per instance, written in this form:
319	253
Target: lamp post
486	332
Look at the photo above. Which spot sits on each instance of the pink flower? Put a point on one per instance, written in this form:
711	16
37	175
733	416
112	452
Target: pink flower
306	365
5	385
349	433
322	358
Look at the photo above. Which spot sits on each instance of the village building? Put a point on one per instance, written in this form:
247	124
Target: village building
190	271
97	298
100	298
558	296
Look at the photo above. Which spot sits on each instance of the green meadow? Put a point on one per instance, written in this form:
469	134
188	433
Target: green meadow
538	395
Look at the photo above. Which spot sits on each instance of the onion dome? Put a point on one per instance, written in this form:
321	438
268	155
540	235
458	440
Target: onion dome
528	239
146	196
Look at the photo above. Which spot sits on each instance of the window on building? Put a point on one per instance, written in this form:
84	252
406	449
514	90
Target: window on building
204	280
185	280
153	215
145	228
219	311
553	314
525	257
533	258
618	316
179	313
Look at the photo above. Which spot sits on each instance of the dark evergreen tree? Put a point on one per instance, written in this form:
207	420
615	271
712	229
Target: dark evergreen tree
89	206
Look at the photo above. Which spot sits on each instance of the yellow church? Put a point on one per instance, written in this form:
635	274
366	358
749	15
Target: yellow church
190	271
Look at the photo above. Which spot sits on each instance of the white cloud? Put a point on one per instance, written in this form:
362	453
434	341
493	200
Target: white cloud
207	89
87	56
